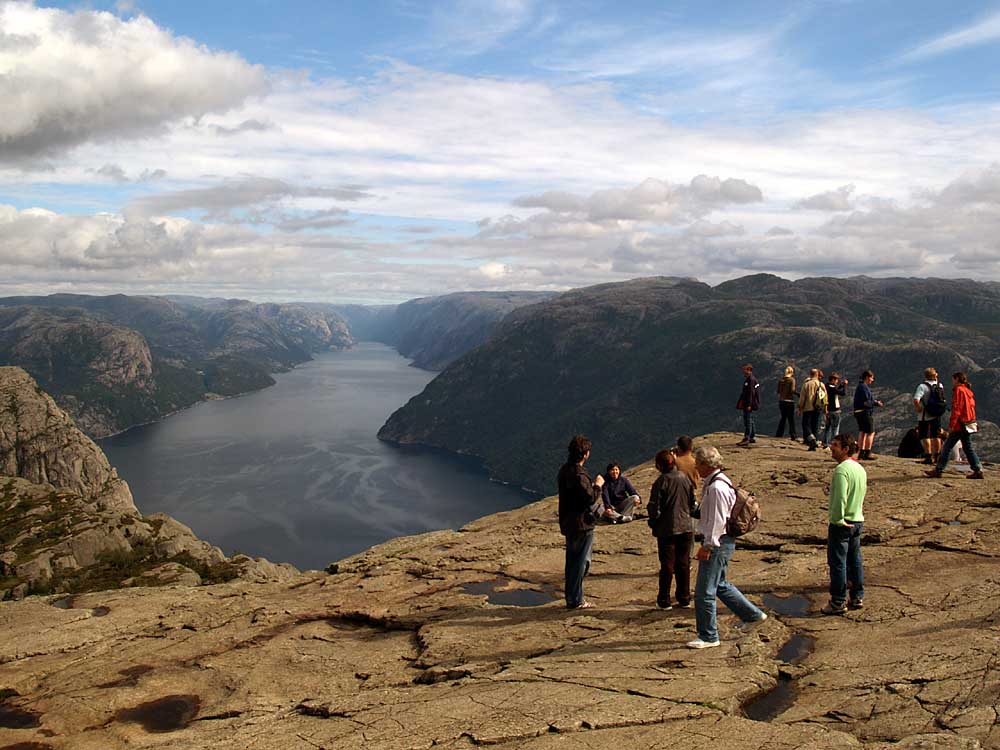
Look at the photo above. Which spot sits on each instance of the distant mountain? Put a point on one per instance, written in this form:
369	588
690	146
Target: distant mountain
113	362
435	331
635	364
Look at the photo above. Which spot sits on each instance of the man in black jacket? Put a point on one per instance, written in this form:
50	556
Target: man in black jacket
671	500
749	403
579	503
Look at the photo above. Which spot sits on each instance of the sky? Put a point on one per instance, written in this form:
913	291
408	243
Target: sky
380	150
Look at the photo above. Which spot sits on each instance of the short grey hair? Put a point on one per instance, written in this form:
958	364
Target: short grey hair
708	455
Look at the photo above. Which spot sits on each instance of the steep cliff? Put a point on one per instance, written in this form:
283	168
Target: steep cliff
635	364
69	523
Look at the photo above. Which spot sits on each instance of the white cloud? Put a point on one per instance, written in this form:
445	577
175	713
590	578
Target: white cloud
983	31
68	78
494	270
832	200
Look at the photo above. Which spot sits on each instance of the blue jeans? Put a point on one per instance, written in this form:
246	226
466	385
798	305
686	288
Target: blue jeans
712	583
749	424
966	439
843	553
832	428
578	548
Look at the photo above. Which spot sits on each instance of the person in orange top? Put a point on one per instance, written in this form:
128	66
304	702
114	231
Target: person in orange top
961	428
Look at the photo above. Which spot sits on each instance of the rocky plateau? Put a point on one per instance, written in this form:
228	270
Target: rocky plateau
458	639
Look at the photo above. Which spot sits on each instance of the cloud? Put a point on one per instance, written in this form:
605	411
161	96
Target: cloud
219	201
833	200
69	78
494	270
244	127
983	31
116	173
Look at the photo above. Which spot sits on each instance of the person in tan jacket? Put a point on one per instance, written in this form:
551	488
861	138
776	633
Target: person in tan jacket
807	408
786	403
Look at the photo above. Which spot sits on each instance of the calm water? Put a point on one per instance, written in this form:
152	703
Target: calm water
295	474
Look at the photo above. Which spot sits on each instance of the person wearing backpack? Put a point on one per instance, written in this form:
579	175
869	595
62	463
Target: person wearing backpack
848	487
961	427
930	404
718	498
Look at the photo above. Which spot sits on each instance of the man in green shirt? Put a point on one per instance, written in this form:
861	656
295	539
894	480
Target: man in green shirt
843	551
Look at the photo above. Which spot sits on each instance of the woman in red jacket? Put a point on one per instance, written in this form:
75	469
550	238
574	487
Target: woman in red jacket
961	428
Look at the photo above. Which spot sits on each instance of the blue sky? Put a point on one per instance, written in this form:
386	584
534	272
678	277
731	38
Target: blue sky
378	151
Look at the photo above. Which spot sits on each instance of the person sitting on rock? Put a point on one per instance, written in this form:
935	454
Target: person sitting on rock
718	496
619	496
579	505
671	500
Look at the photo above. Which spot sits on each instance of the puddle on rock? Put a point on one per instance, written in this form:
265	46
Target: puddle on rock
954	523
166	714
778	699
506	597
100	611
63	602
789	606
13	717
27	746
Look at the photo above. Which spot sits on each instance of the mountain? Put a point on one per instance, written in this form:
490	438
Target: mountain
113	362
68	522
635	364
435	331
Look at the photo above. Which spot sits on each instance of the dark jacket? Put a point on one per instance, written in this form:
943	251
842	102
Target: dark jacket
671	500
786	389
615	491
750	395
833	393
864	399
579	499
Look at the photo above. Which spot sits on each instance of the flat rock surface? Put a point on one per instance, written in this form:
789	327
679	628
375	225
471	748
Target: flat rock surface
459	639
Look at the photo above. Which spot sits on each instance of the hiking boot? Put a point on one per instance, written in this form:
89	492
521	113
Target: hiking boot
856	603
927	460
975	475
753	440
933	473
812	446
869	456
743	443
664	606
753	623
612	516
834	609
699	643
683	605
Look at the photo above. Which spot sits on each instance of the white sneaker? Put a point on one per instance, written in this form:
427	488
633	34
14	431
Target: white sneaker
699	643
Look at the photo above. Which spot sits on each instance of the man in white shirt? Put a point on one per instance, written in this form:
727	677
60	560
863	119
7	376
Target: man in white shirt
928	424
718	496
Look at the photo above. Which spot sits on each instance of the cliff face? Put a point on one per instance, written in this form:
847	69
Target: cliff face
68	522
459	639
114	362
633	365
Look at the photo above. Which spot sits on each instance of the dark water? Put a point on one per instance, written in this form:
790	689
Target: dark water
295	474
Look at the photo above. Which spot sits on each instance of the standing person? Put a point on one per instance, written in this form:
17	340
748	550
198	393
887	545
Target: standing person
843	547
930	405
684	458
836	394
961	427
718	496
749	403
809	409
786	403
619	496
579	503
671	500
864	414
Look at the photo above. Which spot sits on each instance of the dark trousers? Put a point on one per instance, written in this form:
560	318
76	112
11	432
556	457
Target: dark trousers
810	425
843	554
675	563
578	548
787	409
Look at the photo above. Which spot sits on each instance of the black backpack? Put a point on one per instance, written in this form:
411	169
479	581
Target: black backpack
745	514
935	403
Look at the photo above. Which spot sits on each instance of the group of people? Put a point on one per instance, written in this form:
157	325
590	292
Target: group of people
817	400
674	512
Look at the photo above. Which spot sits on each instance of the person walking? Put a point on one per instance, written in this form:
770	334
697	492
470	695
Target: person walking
848	487
864	414
671	500
718	496
786	403
930	405
579	504
749	403
961	427
809	408
836	394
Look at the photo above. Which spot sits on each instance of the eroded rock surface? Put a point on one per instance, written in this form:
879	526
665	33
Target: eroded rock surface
400	646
